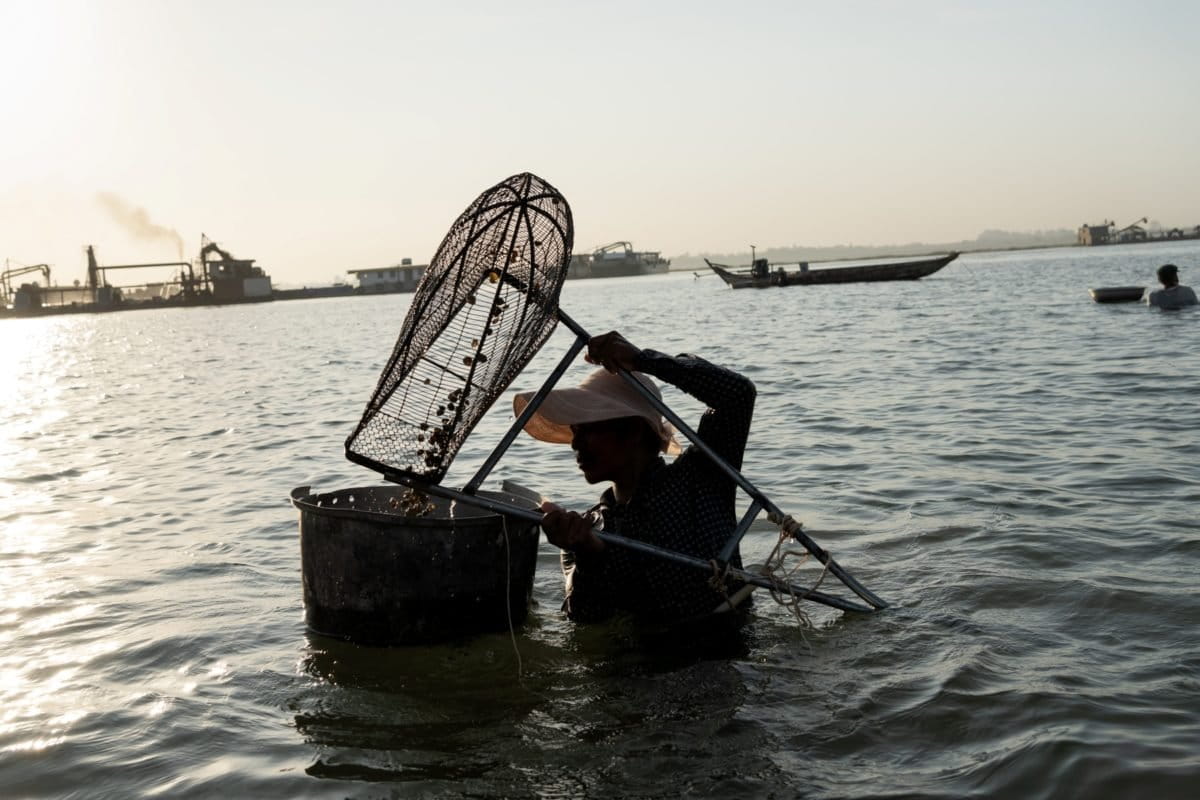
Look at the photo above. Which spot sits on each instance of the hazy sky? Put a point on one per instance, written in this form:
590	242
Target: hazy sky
317	137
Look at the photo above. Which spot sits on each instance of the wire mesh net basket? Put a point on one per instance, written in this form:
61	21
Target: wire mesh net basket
485	305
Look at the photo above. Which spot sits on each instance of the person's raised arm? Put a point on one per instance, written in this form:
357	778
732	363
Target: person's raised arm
729	396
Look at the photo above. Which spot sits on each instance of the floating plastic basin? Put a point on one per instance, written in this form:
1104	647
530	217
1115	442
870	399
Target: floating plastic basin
1117	294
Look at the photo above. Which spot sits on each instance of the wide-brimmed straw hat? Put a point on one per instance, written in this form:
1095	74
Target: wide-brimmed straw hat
602	395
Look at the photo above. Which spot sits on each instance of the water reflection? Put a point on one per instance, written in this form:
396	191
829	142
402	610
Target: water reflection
455	713
412	713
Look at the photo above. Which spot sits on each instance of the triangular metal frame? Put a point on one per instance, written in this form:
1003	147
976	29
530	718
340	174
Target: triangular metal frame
759	501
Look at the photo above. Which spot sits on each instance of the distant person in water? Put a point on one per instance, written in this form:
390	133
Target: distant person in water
1172	296
686	506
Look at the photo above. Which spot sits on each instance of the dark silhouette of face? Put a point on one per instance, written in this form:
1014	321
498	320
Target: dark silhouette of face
606	450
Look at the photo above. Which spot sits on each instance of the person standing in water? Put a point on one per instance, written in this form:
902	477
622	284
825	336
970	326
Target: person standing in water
687	505
1172	296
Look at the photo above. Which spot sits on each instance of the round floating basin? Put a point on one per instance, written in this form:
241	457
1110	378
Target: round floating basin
1117	294
374	576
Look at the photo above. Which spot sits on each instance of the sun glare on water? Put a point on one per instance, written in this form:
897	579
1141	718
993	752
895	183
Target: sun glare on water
25	345
36	594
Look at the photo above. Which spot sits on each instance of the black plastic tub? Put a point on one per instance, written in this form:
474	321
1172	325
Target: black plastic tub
374	576
1117	294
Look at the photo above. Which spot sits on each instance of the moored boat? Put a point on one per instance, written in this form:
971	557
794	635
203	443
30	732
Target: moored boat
762	274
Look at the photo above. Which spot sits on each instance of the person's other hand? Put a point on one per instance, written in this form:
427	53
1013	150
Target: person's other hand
612	350
569	530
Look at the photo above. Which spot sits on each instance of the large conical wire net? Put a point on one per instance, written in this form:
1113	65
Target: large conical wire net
486	304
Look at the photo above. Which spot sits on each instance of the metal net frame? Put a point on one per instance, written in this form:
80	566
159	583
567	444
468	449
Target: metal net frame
485	305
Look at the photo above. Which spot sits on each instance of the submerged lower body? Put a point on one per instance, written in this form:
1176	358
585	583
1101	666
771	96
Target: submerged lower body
720	624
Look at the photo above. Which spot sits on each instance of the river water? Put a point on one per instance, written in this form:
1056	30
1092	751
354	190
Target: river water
1013	467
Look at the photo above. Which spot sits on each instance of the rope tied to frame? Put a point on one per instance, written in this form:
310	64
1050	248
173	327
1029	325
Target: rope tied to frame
786	522
719	574
719	579
775	568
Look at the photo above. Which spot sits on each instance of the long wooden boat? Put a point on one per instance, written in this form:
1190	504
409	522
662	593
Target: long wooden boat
763	275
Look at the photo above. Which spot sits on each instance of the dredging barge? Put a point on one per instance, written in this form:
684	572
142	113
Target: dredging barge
216	277
617	260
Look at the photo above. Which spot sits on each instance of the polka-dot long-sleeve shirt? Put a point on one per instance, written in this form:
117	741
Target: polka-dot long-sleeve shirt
686	506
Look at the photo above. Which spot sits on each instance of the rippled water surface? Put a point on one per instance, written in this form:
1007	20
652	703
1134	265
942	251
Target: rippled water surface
1015	468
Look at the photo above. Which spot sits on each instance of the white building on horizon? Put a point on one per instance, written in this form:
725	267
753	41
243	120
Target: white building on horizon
402	277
